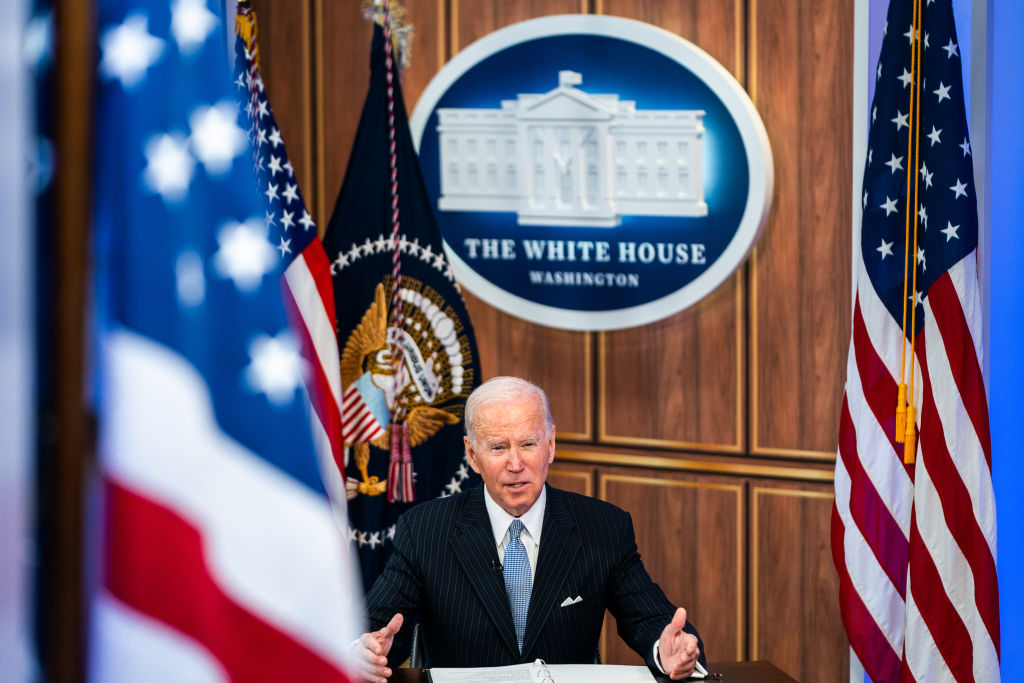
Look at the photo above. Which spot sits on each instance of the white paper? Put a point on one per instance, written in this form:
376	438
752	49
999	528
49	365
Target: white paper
599	673
519	673
538	673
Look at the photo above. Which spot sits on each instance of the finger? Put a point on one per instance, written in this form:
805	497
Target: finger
394	626
369	658
683	669
690	645
377	674
679	619
370	643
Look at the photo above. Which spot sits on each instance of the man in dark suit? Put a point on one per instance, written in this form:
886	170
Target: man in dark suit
517	570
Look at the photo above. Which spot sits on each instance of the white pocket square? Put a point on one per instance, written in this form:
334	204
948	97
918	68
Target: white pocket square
571	601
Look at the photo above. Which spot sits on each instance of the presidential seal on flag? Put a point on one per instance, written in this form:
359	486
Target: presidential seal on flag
408	354
437	362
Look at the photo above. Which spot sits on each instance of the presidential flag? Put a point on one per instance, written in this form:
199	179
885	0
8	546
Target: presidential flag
220	553
914	521
408	358
309	296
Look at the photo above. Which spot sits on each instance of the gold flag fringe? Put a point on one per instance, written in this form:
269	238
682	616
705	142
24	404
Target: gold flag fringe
401	29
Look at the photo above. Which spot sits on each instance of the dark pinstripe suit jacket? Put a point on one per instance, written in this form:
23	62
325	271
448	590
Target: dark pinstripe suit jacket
445	569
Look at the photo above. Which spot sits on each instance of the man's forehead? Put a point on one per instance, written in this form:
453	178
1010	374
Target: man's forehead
492	439
521	408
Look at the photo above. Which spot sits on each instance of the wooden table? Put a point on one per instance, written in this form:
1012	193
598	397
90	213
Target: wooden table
733	672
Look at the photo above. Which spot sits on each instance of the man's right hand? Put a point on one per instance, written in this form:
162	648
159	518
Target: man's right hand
373	648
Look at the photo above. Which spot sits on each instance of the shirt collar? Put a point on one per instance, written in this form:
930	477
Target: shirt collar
532	519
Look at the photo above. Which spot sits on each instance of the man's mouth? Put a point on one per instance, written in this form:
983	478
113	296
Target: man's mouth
517	485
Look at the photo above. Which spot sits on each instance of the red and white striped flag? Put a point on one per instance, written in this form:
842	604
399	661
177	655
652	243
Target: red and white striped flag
308	289
914	542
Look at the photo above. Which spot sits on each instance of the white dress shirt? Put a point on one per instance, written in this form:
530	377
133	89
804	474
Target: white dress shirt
533	524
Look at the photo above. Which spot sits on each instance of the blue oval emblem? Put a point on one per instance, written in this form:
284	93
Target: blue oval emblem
592	172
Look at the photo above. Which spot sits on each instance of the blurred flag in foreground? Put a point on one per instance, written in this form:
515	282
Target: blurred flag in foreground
309	294
914	523
221	555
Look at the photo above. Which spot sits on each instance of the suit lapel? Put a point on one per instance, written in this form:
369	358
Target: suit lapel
559	545
473	546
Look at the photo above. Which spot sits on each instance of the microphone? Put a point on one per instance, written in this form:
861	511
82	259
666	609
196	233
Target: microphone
496	567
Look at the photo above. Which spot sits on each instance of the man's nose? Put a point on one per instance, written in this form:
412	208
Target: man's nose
515	460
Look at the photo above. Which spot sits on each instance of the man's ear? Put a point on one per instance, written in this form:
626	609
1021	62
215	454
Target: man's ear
551	446
470	453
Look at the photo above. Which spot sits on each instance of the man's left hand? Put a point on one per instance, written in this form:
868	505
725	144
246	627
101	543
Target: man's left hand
678	649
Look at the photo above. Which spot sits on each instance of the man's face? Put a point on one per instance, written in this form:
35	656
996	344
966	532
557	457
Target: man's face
512	452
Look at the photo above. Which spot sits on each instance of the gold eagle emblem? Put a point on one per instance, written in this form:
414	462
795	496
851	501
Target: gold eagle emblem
424	381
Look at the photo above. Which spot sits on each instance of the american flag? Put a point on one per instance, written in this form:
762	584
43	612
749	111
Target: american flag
221	557
914	544
309	293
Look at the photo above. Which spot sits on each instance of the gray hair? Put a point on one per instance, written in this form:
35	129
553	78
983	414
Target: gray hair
501	390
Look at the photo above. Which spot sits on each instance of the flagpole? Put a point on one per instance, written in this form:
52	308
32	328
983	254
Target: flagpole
980	118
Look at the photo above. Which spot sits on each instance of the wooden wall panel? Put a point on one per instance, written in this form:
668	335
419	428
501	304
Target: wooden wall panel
570	476
342	77
679	382
429	48
286	62
794	597
801	65
471	21
690	532
716	26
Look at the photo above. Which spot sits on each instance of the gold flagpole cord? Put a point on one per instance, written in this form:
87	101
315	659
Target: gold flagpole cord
910	427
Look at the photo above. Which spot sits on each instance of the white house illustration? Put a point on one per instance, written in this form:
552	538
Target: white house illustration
569	158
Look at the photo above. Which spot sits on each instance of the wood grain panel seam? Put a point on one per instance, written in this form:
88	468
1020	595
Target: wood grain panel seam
589	388
454	28
738	17
308	104
741	367
665	443
741	596
752	50
317	40
753	572
827	456
753	353
690	465
442	33
602	384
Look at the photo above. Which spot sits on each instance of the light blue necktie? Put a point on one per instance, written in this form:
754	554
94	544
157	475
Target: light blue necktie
518	581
